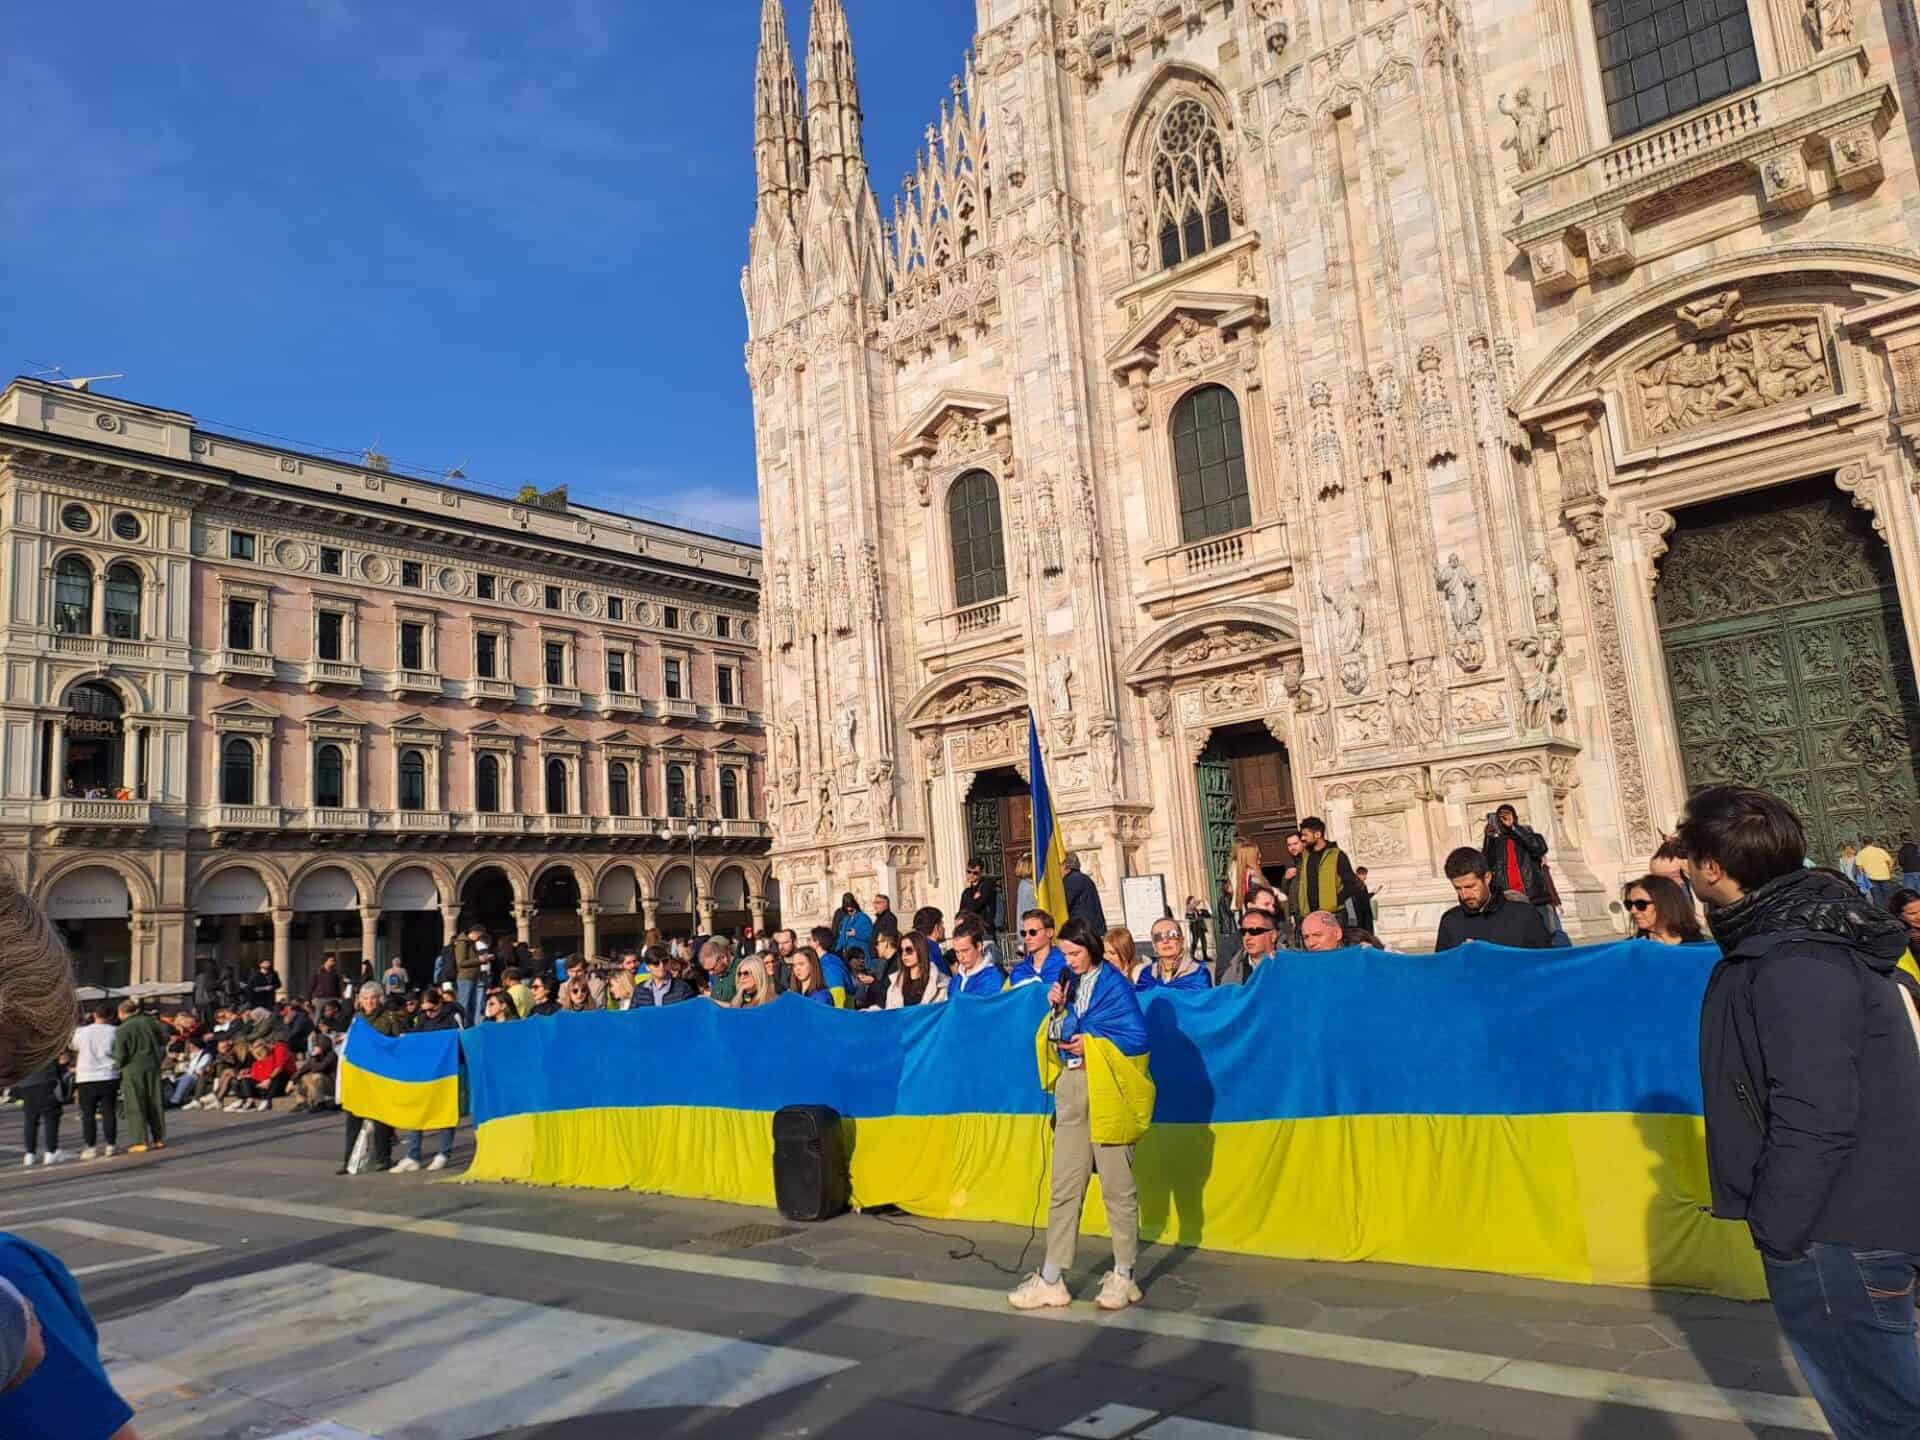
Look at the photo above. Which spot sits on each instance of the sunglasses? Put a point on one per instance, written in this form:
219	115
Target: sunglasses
1033	932
1165	939
1639	905
1256	929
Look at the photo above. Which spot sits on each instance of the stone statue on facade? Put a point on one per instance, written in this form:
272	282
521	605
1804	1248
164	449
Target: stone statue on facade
1462	593
1350	634
1531	128
787	747
882	805
1429	701
1400	705
1105	742
1060	696
846	727
1536	673
1160	710
824	818
1830	23
1543	580
839	606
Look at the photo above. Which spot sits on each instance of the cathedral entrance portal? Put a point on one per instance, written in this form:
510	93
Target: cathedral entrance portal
1000	835
1245	779
1788	660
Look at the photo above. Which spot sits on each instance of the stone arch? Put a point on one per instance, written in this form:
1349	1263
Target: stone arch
724	897
141	889
516	876
279	892
1174	84
676	886
362	873
583	875
133	696
1175	79
641	888
442	876
1239	630
985	688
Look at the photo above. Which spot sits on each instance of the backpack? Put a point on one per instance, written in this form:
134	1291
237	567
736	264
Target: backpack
443	968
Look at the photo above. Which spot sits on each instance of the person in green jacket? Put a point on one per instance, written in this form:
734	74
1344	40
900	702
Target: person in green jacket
139	1049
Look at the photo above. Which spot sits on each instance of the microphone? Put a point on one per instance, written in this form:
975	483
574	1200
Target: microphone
1069	988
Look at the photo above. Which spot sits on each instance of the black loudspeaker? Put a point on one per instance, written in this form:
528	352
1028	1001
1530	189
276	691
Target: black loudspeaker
809	1163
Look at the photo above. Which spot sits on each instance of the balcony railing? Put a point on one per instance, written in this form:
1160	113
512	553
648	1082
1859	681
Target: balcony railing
333	818
679	709
559	697
635	825
499	824
976	618
246	662
567	824
1223	553
247	817
422	822
343	673
622	702
101	645
102	812
732	715
417	682
482	691
743	829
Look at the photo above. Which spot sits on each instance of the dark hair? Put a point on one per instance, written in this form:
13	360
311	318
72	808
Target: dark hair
1042	916
1670	849
1466	861
975	865
926	917
853	954
847	902
1752	835
1900	899
821	936
1672	910
1314	822
1079	932
104	1014
970	928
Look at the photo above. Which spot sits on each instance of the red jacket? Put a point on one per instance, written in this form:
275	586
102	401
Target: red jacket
277	1061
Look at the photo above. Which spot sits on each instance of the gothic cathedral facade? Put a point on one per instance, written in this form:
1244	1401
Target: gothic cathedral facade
1381	410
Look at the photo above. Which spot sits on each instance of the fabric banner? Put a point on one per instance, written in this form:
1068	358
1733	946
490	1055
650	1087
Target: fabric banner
411	1082
1527	1112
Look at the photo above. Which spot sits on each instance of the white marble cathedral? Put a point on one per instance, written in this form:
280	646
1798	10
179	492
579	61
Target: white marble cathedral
1339	406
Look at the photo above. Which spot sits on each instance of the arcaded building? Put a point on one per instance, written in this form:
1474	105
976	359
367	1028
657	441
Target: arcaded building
268	705
1387	410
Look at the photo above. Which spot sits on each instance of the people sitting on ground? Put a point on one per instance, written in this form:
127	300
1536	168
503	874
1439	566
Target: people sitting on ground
1485	912
1320	931
1171	967
299	1022
1123	955
915	982
313	1082
753	987
1043	961
267	1078
1660	910
545	1001
807	980
973	973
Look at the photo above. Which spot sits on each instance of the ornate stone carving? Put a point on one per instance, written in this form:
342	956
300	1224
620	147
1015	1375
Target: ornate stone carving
1400	706
961	438
1537	677
882	805
839	594
1577	482
1160	711
867	599
1437	438
1380	838
1484	403
1324	449
1609	658
846	733
1104	751
1462	594
787	747
934	748
1709	315
1349	635
783	630
1829	23
825	817
1220	642
1480	709
1543	584
1364	726
1705	381
1429	701
1369	430
1052	554
978	695
1239	691
1060	697
1086	515
1532	128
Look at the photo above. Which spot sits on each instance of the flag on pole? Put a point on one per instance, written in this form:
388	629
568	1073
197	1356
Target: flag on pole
1049	853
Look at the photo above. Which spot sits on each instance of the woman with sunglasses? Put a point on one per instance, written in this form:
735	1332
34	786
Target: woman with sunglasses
1171	967
915	981
1660	910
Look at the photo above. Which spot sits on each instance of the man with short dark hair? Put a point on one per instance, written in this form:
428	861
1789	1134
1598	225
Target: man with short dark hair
1044	959
262	987
1515	853
1485	912
1325	876
328	983
973	973
932	926
885	920
981	897
1810	1072
1083	896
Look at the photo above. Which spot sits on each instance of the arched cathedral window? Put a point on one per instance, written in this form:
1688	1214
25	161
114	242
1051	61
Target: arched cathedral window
1209	459
1191	211
979	549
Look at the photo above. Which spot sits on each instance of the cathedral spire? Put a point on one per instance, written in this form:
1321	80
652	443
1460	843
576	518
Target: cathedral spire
833	99
779	124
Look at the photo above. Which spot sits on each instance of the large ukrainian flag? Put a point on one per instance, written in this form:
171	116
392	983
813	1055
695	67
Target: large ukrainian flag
1049	852
411	1082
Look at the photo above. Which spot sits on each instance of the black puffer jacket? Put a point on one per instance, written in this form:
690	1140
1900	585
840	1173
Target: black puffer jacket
1811	1070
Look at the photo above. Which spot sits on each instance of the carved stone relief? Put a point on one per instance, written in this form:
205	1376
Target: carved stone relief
1538	680
1708	380
1060	678
1349	636
1437	436
1531	128
1324	449
1462	595
1365	726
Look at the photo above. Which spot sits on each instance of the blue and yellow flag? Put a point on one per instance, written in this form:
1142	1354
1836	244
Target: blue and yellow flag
1049	853
411	1082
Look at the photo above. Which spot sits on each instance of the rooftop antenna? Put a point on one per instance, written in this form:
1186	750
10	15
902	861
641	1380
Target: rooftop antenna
458	472
82	383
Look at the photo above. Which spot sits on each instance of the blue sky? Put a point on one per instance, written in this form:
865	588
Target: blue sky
474	231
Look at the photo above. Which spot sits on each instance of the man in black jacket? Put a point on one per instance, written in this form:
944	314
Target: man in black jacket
981	898
1484	911
1083	896
1810	1076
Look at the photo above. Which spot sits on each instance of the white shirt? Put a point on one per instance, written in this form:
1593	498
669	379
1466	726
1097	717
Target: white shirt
93	1054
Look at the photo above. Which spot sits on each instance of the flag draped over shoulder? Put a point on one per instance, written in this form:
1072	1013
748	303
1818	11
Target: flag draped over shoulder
1049	853
411	1082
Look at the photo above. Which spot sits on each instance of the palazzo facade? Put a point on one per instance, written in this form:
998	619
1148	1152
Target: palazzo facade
259	704
1382	410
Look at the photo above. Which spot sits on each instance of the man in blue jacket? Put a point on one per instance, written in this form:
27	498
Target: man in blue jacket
1810	1072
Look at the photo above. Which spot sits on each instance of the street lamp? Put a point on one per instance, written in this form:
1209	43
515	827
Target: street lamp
698	815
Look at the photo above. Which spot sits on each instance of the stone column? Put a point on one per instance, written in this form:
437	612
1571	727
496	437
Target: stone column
57	779
450	918
757	908
130	758
649	916
141	962
370	935
590	928
523	922
283	946
706	915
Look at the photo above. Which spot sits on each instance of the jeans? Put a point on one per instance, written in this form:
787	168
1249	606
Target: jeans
472	997
1848	1316
43	1119
417	1138
99	1110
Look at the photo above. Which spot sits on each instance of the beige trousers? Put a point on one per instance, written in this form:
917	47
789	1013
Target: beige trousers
1075	1158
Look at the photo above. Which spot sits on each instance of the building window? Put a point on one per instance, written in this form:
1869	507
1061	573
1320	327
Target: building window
677	791
556	786
240	544
331	640
486	785
673	680
619	789
123	602
556	663
616	672
486	655
331	560
73	596
553	597
413	646
723	627
1657	59
723	685
413	780
670	616
77	518
729	795
127	526
410	574
616	608
484	587
240	624
1211	464
1190	209
979	551
236	772
329	778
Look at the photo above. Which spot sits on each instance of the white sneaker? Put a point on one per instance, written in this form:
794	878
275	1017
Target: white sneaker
1035	1293
106	1152
233	1105
1117	1292
55	1158
439	1162
88	1153
406	1165
28	1159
